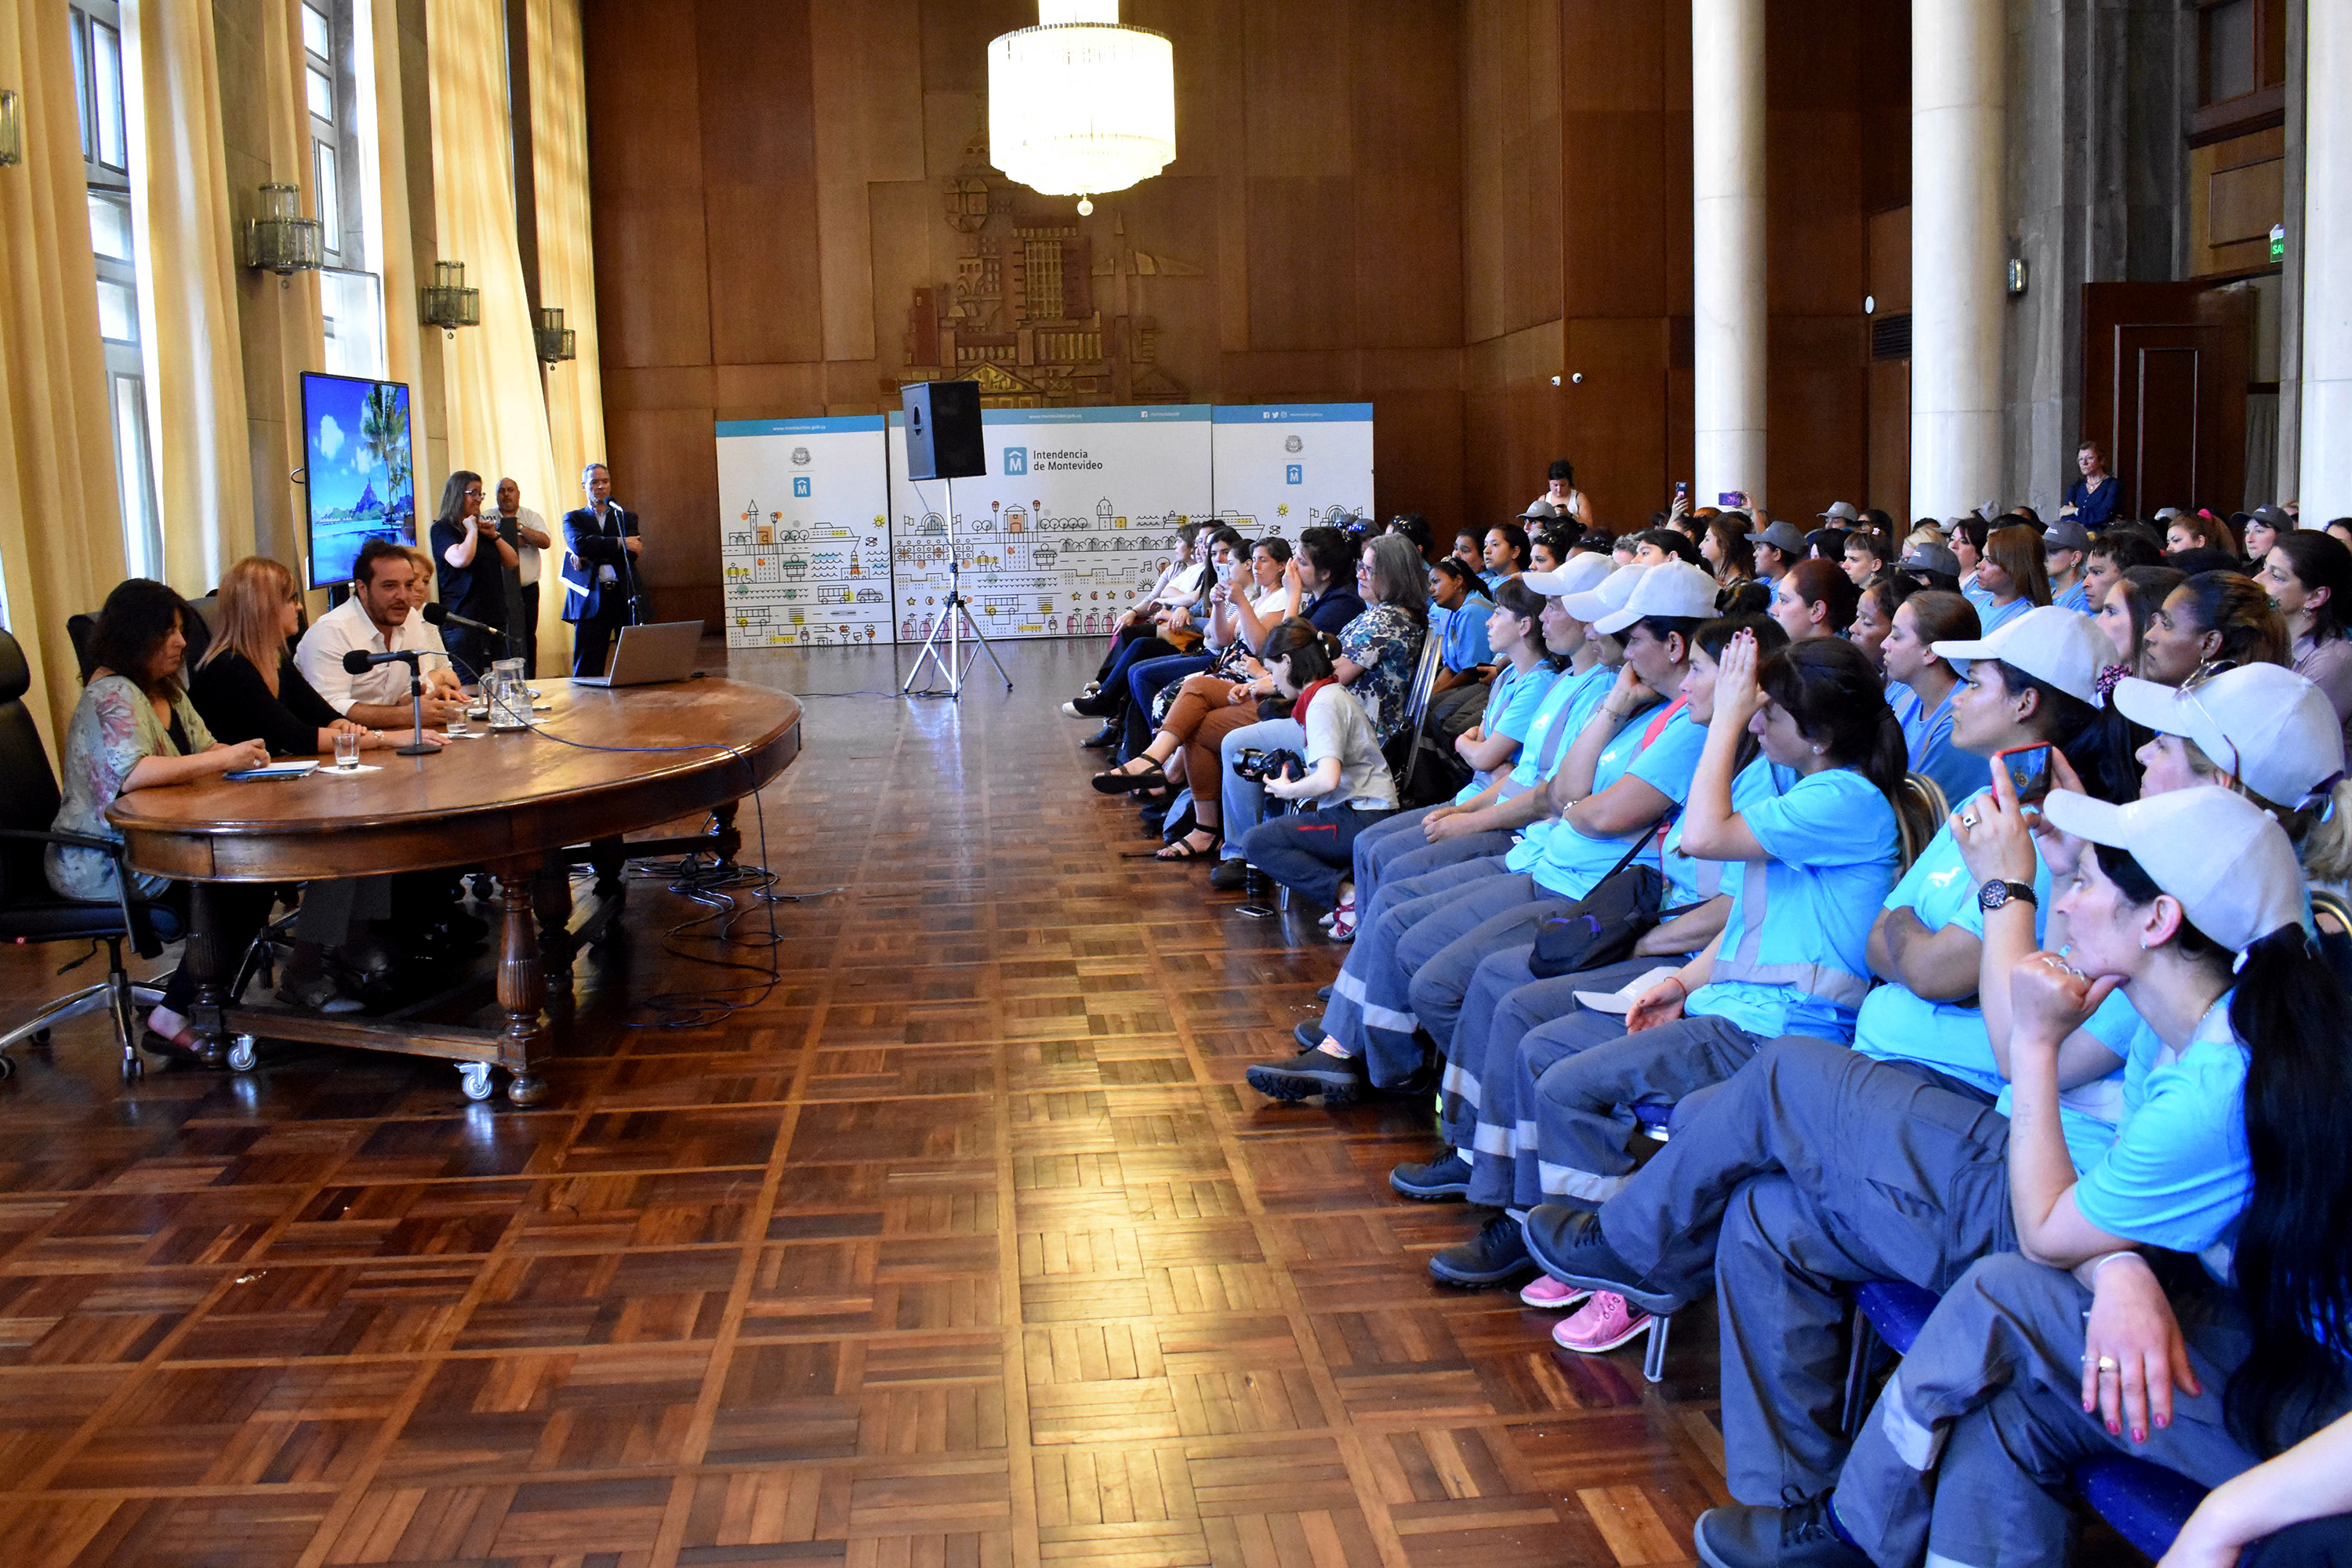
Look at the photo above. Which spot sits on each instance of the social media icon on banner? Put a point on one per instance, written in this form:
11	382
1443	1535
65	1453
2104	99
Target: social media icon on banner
801	487
1294	474
1016	460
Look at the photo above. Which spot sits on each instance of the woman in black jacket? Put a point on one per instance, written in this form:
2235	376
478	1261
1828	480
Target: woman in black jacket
247	688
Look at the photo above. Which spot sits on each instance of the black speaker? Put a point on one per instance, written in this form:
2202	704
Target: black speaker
943	430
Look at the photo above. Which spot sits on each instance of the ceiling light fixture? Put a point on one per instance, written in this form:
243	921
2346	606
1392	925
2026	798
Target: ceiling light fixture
1080	105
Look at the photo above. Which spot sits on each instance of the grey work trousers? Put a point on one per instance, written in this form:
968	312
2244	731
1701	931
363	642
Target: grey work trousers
1370	988
1810	1170
1504	1000
1441	952
1964	1458
1394	849
1577	1079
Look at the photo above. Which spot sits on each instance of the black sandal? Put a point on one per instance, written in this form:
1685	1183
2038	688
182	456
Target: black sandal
1118	782
1183	850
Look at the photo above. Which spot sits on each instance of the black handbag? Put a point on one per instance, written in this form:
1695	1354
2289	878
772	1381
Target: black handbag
1601	927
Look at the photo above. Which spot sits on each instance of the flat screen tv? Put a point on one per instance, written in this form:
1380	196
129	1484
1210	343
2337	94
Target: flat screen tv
362	478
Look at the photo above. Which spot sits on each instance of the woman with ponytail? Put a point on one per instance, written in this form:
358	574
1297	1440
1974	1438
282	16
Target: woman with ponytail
2234	1155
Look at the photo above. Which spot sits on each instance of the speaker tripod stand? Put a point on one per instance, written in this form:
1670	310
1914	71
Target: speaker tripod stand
956	620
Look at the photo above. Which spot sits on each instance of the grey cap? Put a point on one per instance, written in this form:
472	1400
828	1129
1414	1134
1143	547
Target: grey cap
2167	514
2065	534
1932	558
1782	536
1841	512
2275	517
1541	511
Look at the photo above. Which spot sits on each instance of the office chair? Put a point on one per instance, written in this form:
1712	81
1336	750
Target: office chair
30	912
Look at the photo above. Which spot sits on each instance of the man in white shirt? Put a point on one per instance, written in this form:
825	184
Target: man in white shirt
378	617
526	531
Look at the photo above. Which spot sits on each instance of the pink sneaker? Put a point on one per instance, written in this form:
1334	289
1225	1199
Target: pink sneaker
1552	1295
1601	1325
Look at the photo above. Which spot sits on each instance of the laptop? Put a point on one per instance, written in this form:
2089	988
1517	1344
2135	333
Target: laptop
647	655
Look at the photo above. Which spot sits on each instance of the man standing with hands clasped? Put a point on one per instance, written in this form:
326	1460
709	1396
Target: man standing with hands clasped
525	532
600	569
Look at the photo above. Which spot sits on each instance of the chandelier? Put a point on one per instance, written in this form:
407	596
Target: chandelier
1078	105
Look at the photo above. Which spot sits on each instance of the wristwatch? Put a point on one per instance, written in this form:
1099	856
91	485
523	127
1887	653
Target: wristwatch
1997	892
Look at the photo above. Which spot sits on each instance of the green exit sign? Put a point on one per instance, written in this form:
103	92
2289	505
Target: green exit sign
2278	242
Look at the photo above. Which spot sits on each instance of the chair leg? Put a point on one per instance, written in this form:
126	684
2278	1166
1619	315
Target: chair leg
126	1021
1857	1375
1654	1360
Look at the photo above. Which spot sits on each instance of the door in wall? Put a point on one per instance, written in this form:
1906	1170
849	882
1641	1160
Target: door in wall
2163	389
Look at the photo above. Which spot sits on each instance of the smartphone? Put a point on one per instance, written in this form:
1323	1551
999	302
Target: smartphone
2029	771
1735	500
1681	490
1254	911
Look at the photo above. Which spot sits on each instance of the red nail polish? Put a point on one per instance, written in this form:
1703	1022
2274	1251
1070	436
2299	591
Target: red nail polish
2139	1436
2113	1427
2162	1422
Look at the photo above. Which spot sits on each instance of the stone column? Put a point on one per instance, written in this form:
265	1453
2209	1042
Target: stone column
1958	254
1728	300
2326	488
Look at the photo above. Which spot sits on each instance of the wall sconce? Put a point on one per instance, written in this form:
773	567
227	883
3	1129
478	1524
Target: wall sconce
281	240
557	342
2016	275
11	130
447	302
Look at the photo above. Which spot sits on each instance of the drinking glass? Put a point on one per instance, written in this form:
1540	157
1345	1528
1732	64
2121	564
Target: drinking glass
347	750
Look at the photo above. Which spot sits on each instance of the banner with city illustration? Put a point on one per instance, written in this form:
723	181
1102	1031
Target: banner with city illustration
824	541
1072	521
805	532
1283	468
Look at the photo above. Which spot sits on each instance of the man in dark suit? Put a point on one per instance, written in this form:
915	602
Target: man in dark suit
600	569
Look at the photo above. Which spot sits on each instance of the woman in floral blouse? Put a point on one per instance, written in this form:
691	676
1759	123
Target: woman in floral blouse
134	728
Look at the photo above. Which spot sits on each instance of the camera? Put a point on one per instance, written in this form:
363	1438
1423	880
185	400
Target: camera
1257	764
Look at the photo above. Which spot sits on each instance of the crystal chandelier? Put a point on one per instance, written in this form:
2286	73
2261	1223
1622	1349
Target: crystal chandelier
1078	104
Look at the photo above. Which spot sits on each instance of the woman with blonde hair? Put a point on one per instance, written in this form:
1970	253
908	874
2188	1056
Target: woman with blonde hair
247	688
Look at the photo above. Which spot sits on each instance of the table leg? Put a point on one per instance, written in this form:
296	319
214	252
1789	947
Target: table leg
203	956
551	899
726	838
522	983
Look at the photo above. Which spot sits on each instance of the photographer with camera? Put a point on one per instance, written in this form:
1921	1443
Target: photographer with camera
1346	786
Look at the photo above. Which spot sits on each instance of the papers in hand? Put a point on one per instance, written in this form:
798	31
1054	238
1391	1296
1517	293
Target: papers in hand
1621	1001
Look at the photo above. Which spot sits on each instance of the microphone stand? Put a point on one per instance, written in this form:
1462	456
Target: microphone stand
415	748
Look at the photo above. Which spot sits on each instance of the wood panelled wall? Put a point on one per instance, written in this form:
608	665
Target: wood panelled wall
1430	204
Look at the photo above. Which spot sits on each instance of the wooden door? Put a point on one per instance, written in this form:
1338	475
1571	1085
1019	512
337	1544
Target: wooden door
2164	388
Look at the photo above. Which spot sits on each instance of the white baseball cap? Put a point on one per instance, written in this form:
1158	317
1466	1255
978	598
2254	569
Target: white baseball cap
2049	644
1606	598
1581	573
2263	723
2220	854
1670	588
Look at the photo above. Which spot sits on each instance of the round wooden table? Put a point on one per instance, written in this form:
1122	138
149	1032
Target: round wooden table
516	802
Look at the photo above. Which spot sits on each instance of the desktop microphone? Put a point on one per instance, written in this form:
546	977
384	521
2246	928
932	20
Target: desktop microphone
359	661
442	616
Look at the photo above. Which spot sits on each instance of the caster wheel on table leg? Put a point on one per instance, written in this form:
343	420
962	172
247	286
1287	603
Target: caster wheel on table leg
474	1079
525	1089
242	1053
133	1069
40	1037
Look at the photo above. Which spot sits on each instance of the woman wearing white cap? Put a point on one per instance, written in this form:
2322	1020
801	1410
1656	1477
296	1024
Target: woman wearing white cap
2066	1348
1369	985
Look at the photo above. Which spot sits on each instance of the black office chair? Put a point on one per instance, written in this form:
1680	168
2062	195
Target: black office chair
30	912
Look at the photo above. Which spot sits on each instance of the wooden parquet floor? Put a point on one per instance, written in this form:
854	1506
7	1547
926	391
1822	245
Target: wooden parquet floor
969	1246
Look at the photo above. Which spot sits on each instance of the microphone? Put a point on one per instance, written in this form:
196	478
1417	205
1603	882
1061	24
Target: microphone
359	661
442	616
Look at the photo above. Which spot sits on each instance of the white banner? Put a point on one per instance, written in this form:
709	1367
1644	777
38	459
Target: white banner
805	532
824	541
1284	468
1074	520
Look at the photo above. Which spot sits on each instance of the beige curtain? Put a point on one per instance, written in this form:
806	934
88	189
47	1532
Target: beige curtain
187	290
285	334
497	414
60	526
567	272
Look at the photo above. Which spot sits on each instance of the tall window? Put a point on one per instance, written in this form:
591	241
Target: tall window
351	289
106	167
